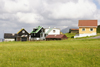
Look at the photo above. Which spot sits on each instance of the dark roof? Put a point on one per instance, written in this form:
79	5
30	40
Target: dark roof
37	29
87	23
56	36
10	35
22	30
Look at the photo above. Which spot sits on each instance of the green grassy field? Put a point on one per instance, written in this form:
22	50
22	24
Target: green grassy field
65	53
70	35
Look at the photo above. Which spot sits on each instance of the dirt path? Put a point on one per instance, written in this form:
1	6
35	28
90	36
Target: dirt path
97	37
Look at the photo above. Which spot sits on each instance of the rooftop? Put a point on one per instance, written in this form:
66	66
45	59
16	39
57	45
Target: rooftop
87	23
56	36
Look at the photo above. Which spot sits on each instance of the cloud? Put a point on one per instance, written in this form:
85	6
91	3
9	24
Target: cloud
29	17
16	5
71	10
15	14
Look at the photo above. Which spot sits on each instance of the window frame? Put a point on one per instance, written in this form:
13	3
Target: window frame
83	28
54	31
92	29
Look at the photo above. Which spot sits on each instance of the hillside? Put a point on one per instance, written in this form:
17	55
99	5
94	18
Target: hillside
66	30
65	53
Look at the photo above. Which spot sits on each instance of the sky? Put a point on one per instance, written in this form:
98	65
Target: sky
28	14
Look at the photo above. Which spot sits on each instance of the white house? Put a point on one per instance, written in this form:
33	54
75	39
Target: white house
52	31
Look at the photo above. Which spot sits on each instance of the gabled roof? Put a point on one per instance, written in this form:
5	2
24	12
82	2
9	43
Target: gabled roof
56	36
88	23
21	30
38	28
10	35
49	30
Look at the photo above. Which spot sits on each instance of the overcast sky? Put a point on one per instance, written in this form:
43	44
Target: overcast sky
28	14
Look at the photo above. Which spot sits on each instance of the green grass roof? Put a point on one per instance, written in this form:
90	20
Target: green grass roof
38	28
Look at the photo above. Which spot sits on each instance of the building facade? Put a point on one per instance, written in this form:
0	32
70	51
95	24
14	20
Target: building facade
22	35
52	31
38	33
9	37
87	28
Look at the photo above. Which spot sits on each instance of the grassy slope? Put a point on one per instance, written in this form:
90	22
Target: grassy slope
66	53
70	35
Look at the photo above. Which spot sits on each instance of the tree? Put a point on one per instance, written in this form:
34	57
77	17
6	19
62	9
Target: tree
98	29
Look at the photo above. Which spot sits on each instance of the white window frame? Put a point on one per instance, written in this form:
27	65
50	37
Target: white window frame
83	28
90	29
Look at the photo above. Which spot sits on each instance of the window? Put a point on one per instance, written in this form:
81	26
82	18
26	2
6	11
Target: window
53	31
23	31
83	29
91	29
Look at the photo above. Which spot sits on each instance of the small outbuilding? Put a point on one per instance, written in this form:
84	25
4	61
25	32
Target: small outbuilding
56	37
9	37
73	30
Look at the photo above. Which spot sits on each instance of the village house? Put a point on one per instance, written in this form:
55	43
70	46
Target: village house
38	33
22	35
52	31
9	37
54	34
87	28
73	30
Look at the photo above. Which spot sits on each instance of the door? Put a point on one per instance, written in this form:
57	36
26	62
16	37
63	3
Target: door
24	39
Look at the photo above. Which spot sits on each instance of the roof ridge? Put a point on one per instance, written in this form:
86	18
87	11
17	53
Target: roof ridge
21	30
39	27
49	30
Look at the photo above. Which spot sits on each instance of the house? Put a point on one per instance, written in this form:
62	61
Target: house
87	28
54	34
73	30
52	31
9	37
56	37
38	33
22	35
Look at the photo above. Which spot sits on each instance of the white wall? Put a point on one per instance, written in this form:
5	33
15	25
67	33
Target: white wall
7	39
84	35
57	31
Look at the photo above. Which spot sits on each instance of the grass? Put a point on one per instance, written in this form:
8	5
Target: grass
70	35
65	53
